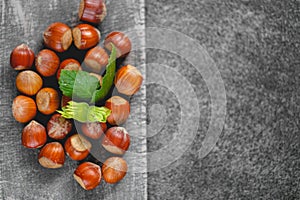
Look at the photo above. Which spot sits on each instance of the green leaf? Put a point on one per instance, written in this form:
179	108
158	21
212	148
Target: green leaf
82	112
66	82
78	84
108	79
82	85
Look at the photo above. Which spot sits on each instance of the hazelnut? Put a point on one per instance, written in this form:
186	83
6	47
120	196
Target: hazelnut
96	59
28	82
121	42
116	140
114	169
34	135
46	62
23	108
21	57
86	36
120	110
77	147
128	80
65	100
88	175
58	127
47	101
52	155
93	130
93	11
58	36
68	64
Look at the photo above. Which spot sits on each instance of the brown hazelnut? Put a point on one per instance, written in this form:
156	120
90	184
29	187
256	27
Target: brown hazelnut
88	175
52	155
34	135
93	11
94	130
114	169
121	42
46	62
128	80
85	36
47	101
77	147
28	82
58	36
96	59
116	140
58	127
120	110
21	57
68	64
23	109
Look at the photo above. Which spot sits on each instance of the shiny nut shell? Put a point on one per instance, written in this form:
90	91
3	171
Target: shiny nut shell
121	42
85	36
114	169
21	57
29	82
93	130
96	59
52	155
47	62
116	140
68	64
128	80
58	37
47	101
93	11
58	127
88	175
34	135
120	110
77	147
23	109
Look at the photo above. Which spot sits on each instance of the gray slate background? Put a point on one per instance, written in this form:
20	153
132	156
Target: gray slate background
255	45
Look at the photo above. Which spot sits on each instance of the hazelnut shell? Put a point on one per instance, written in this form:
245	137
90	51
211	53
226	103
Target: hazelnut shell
52	155
128	80
114	169
88	175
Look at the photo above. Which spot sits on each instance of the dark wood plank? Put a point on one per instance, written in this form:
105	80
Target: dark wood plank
21	175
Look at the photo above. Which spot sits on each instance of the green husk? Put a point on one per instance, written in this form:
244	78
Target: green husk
82	112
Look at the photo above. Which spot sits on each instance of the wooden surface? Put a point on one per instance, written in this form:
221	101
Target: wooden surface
21	175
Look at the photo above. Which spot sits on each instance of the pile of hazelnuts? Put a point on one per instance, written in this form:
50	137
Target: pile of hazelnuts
55	136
